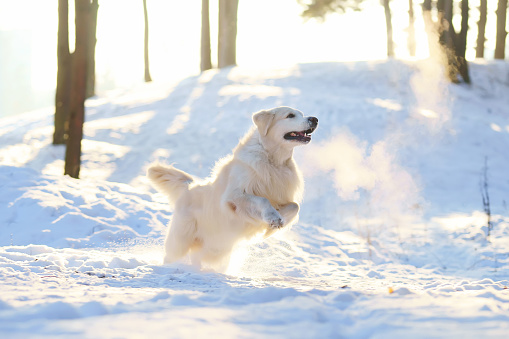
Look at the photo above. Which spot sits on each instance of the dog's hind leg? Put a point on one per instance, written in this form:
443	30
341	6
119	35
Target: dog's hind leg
181	237
216	259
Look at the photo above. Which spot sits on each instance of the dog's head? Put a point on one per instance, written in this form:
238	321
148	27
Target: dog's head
285	126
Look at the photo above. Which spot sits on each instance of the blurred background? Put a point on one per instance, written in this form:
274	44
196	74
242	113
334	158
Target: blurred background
271	33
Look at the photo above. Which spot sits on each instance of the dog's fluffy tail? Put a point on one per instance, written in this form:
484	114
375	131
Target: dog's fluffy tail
169	180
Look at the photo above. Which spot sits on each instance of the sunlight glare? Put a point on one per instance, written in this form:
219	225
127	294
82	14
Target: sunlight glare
460	221
496	127
129	123
180	121
428	113
390	105
237	260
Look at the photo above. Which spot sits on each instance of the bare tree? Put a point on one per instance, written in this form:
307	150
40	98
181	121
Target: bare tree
92	40
78	89
148	78
454	45
501	32
448	36
206	62
62	98
481	29
227	37
484	185
411	28
388	26
461	45
320	9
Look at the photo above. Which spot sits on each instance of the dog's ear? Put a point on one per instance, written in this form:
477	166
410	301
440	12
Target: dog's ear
263	120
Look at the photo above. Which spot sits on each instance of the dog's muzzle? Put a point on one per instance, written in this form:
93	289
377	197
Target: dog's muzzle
313	123
303	136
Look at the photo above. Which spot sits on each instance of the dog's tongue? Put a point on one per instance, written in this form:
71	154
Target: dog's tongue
301	134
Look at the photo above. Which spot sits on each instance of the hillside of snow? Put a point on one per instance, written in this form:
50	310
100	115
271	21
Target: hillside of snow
393	240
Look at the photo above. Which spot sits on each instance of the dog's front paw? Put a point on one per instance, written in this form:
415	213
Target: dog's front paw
289	211
274	219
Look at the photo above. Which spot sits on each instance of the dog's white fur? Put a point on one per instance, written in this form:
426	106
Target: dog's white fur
256	190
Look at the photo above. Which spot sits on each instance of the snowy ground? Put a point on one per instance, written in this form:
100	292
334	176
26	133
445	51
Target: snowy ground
392	240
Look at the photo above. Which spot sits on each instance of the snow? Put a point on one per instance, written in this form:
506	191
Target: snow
392	239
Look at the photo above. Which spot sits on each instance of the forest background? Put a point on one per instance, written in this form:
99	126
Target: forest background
28	40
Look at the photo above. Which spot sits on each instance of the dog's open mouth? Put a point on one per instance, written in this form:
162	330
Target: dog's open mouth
303	136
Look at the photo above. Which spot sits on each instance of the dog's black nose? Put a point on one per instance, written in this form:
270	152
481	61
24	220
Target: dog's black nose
313	121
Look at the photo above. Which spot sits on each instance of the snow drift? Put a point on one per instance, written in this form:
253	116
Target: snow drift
392	239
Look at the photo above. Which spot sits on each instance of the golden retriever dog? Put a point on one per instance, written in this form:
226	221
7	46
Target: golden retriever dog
255	191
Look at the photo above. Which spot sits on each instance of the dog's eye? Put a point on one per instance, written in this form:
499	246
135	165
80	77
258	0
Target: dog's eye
291	115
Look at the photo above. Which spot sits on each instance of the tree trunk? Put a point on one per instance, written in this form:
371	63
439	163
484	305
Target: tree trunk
78	89
448	37
501	32
447	26
206	62
388	23
227	33
92	40
148	78
461	46
411	28
481	29
452	42
62	100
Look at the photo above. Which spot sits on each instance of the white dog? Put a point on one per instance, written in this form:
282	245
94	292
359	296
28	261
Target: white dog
254	191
